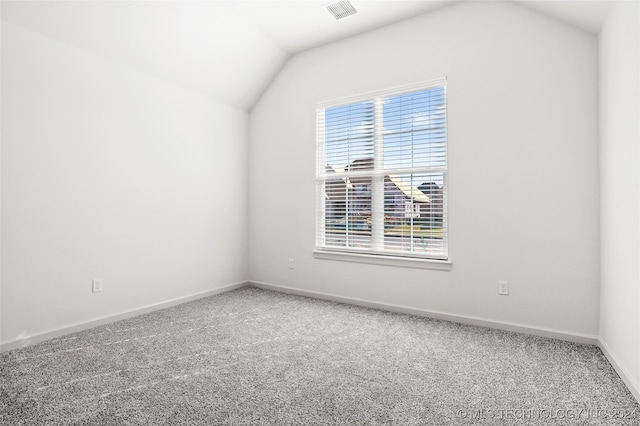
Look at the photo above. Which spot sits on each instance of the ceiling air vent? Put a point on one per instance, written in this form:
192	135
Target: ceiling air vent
341	9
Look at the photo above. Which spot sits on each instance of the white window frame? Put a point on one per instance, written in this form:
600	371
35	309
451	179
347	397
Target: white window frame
376	255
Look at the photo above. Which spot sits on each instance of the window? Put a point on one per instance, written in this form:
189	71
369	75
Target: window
382	173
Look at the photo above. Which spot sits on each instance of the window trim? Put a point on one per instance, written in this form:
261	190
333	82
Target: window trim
369	256
382	259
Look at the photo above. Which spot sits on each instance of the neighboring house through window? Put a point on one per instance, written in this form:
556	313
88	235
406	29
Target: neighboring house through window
382	173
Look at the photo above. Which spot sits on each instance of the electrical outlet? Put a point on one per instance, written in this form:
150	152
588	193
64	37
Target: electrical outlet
97	284
291	263
503	288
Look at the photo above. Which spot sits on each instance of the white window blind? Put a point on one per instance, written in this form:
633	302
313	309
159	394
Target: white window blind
381	176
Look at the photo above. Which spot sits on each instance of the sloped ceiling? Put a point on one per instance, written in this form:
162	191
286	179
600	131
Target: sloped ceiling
585	15
231	50
203	46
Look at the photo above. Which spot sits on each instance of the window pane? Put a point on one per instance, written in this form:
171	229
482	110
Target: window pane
348	212
413	212
349	135
414	129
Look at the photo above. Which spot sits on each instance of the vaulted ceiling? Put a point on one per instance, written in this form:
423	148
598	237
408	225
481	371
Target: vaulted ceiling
231	50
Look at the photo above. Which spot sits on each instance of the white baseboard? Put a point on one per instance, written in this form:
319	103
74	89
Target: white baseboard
58	332
634	386
470	320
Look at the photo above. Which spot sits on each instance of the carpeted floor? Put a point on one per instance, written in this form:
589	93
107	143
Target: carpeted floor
255	357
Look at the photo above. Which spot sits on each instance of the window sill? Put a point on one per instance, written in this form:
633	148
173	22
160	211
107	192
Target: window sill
377	259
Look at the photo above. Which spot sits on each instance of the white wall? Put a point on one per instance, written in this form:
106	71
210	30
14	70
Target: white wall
619	50
107	172
523	152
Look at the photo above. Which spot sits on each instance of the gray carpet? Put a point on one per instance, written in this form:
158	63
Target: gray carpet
255	357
